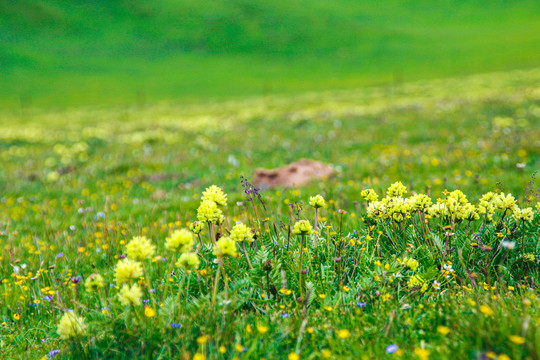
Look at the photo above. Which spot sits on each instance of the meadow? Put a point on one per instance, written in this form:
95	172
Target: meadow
62	53
424	245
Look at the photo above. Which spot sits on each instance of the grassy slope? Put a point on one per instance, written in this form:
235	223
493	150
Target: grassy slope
59	53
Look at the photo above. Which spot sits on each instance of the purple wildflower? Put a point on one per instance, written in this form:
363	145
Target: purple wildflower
53	353
390	349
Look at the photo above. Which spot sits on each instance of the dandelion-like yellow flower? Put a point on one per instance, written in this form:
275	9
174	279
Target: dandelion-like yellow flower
262	329
215	194
188	261
443	330
127	270
396	189
94	283
241	232
516	339
317	201
225	247
196	227
130	295
344	334
369	195
302	227
486	310
71	326
294	356
149	311
180	241
423	354
140	248
209	212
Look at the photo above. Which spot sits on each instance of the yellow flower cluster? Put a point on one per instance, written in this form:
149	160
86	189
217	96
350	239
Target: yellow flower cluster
127	270
454	205
369	195
486	205
397	207
225	247
522	214
215	194
188	261
71	326
180	241
504	201
317	201
196	227
241	232
209	212
419	202
140	248
417	281
396	189
130	295
411	263
302	227
94	283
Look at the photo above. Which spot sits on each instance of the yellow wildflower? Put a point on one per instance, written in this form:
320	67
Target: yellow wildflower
94	283
130	295
241	232
225	247
188	261
180	241
127	270
140	248
71	325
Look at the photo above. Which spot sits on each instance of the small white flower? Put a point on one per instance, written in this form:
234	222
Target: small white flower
508	244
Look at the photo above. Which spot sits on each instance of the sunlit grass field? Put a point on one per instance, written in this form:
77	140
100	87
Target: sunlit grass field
80	187
61	53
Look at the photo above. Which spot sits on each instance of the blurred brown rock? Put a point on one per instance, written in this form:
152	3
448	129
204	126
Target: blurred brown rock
297	173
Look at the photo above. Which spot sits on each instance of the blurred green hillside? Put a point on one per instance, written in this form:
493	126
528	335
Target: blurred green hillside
60	53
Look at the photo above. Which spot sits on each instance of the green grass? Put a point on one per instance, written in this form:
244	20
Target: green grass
83	182
63	53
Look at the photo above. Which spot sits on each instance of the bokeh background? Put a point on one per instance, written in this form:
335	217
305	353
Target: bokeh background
63	53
